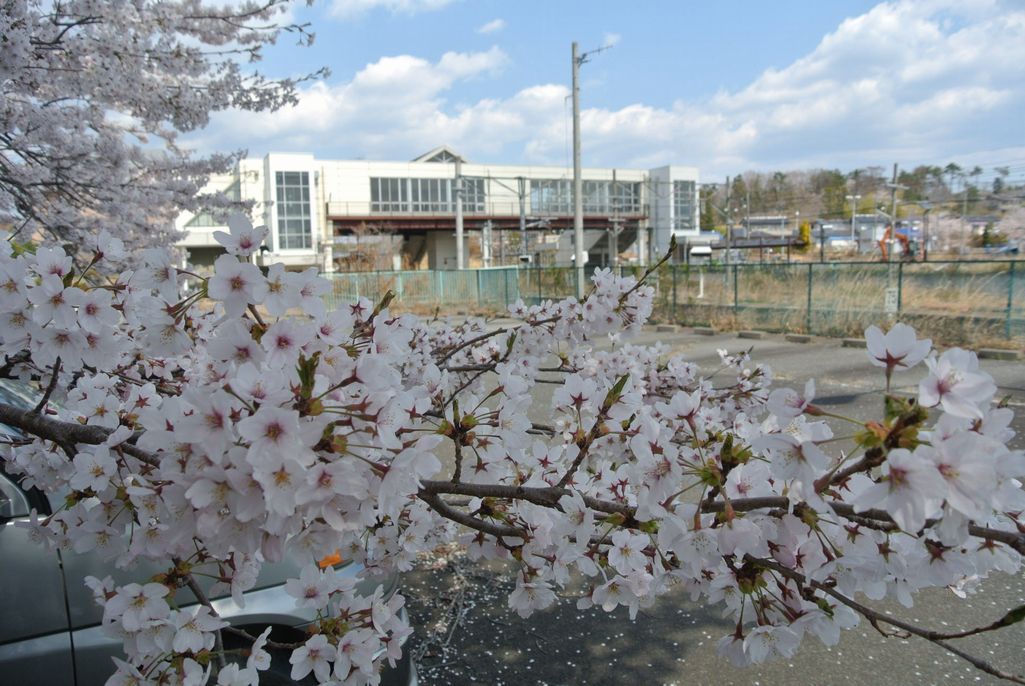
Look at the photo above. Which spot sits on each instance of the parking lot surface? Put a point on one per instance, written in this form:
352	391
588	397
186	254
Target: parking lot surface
465	633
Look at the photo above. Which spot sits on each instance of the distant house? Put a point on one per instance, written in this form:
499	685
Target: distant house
768	225
978	223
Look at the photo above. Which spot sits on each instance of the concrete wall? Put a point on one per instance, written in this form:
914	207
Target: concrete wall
663	208
441	250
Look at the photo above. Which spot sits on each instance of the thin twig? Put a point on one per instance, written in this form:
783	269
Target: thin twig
38	409
875	617
197	591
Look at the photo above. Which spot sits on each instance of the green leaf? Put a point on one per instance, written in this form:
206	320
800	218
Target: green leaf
895	406
615	392
1013	617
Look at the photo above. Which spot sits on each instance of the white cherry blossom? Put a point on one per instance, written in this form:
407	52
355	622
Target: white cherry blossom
910	489
210	439
236	284
897	349
956	384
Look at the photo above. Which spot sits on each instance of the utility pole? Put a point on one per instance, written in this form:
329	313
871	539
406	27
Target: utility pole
614	224
854	212
926	207
521	184
485	243
893	186
747	211
729	223
578	185
964	215
891	304
459	214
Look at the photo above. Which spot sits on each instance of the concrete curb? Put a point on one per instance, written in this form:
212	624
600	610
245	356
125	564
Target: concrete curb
751	334
854	343
798	338
666	328
704	330
998	354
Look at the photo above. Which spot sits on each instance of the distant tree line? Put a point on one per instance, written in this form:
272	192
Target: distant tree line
831	193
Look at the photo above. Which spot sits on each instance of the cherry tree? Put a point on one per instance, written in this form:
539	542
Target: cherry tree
94	96
248	421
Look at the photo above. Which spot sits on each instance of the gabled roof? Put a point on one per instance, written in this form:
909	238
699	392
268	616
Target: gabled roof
442	153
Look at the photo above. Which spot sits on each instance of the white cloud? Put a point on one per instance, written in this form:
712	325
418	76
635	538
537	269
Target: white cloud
493	26
910	81
348	9
390	107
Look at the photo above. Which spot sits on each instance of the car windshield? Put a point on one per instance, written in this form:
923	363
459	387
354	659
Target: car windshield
22	395
17	393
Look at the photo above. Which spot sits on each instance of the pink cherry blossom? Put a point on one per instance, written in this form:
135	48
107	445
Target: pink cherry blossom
897	349
911	489
243	238
956	383
787	403
236	284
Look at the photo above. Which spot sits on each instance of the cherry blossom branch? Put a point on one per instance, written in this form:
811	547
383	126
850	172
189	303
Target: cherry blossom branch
471	342
544	496
876	617
276	645
457	472
67	433
549	497
584	445
442	508
12	362
197	590
872	458
1012	539
41	405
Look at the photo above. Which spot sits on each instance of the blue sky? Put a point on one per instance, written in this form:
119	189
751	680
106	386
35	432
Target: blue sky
724	86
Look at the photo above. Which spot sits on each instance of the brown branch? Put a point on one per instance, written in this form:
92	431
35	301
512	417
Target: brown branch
197	591
457	473
472	341
466	384
12	362
49	387
67	433
544	496
584	446
256	315
875	618
549	497
497	530
485	336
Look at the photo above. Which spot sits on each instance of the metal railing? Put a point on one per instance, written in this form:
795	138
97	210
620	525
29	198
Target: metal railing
344	208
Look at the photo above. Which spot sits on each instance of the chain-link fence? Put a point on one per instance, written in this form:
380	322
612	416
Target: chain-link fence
954	302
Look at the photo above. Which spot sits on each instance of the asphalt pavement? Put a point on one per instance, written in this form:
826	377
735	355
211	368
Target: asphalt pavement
465	633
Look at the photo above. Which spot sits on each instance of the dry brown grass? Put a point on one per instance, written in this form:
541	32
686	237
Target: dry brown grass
961	304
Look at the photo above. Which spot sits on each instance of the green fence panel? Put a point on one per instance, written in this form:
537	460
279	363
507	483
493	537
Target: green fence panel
954	302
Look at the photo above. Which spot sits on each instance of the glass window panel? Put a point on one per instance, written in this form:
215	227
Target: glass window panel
294	223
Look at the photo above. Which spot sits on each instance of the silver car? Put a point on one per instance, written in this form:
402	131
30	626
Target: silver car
50	625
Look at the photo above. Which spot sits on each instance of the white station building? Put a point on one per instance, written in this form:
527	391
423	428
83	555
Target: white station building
323	212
